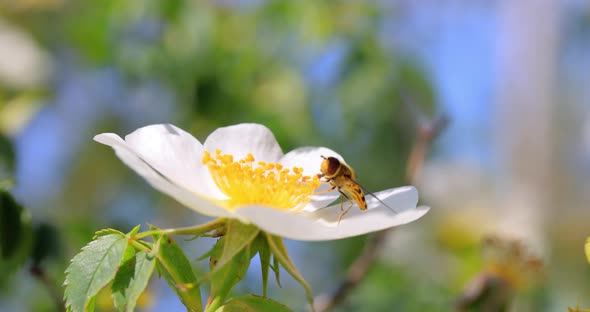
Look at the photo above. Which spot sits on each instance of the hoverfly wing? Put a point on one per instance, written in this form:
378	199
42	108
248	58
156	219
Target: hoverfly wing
369	193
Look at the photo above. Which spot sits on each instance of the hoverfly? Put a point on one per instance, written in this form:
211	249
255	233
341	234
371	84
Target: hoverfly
342	177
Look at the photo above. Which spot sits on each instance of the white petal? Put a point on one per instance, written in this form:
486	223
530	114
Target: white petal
310	159
323	224
239	140
157	179
177	155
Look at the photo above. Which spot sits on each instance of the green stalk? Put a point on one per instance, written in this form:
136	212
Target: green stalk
214	304
137	245
197	230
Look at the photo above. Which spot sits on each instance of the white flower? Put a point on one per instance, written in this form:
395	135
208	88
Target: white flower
23	64
223	178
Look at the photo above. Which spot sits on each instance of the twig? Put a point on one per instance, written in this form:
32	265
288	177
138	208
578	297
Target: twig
39	273
426	133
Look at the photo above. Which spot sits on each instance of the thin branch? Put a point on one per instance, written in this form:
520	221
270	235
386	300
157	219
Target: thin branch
426	133
39	273
196	230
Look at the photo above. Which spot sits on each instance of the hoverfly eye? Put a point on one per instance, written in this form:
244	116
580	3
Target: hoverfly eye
333	165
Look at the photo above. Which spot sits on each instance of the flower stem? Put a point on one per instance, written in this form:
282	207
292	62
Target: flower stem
137	245
197	230
214	304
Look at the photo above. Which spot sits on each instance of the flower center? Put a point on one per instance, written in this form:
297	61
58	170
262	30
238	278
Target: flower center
247	182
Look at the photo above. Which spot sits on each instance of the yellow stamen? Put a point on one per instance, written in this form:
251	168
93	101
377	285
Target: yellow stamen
247	182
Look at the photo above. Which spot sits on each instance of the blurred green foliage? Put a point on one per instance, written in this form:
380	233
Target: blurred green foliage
228	63
15	235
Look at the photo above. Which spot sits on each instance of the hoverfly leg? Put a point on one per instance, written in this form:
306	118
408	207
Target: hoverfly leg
325	191
348	199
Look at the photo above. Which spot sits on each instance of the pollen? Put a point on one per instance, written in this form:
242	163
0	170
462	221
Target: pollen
248	182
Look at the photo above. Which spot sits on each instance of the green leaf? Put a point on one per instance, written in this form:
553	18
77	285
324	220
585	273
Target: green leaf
93	268
279	251
224	278
237	237
275	268
14	225
264	256
46	243
171	9
123	277
587	249
7	156
252	303
173	264
132	279
126	269
6	184
261	247
134	231
91	304
16	236
206	255
104	232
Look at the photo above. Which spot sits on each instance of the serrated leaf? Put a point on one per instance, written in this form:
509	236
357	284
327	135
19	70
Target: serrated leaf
224	278
104	232
93	268
237	237
144	268
252	303
279	251
174	266
132	279
123	277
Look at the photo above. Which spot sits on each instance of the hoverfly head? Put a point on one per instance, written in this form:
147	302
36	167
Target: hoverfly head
330	166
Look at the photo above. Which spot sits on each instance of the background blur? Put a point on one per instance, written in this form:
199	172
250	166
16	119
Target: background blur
508	180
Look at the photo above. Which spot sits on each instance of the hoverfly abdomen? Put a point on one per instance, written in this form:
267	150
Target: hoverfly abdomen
342	177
